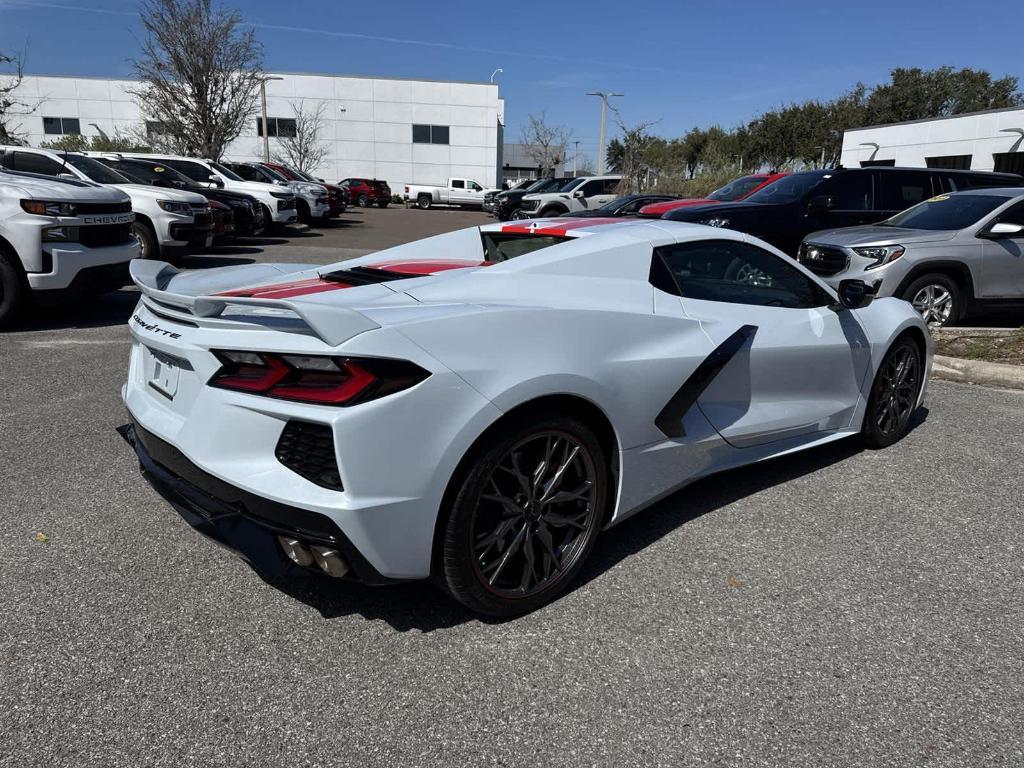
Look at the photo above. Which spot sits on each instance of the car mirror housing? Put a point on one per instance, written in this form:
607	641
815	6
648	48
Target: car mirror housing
578	194
1003	229
855	294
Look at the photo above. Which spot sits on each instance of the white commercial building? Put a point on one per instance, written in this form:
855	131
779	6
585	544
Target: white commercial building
400	131
983	141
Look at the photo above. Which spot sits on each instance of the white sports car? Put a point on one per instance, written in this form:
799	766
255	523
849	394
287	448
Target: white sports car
475	407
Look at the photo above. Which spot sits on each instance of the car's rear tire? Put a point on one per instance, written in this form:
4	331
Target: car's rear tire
937	298
525	515
14	290
423	202
148	248
383	203
894	394
362	201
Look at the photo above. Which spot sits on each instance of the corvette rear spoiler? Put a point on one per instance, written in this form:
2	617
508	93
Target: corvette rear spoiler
330	323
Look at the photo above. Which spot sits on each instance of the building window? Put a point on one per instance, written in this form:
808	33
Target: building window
881	163
952	162
61	126
279	126
1009	162
430	134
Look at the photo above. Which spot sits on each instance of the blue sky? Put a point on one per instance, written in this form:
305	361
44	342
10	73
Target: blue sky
679	63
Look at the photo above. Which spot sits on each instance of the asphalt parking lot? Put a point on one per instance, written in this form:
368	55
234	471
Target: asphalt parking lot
838	607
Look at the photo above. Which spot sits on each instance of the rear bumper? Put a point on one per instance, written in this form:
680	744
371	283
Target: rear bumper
241	521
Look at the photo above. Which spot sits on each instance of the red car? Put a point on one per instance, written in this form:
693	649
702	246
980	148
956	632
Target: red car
336	196
737	189
223	221
364	192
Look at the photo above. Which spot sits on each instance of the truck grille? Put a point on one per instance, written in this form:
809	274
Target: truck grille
529	205
308	450
102	235
825	260
203	219
91	208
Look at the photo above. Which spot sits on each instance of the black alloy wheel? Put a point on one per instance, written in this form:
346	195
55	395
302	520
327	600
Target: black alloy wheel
526	517
894	394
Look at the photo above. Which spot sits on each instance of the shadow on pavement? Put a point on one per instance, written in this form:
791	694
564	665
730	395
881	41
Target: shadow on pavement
97	312
421	606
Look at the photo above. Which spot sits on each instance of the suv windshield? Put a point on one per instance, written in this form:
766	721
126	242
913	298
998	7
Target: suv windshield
95	170
225	172
276	175
736	189
789	188
151	173
946	212
570	185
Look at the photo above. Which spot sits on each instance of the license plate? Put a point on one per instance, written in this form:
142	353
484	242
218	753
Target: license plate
164	372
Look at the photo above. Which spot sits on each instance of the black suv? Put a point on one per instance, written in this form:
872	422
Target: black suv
507	203
248	214
785	212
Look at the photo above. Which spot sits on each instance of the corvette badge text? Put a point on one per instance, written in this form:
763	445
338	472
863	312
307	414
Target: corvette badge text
155	328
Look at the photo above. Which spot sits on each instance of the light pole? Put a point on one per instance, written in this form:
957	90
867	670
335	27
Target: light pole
575	158
604	117
266	128
499	69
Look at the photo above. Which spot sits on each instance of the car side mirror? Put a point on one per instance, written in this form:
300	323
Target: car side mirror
1003	229
820	204
578	194
215	181
855	294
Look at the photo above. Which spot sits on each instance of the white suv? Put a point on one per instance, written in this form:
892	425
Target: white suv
311	198
586	193
279	204
60	237
167	222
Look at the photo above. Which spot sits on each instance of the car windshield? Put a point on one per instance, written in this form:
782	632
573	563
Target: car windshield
736	189
789	188
276	175
225	172
571	184
299	174
95	170
946	212
153	173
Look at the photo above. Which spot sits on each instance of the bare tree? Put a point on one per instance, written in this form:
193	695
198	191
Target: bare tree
303	150
545	144
11	106
633	160
199	73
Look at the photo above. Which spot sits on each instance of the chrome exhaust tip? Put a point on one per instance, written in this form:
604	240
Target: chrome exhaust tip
330	561
296	551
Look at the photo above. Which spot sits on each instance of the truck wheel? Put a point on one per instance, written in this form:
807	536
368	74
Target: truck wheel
148	248
517	215
362	201
550	213
423	202
305	216
13	291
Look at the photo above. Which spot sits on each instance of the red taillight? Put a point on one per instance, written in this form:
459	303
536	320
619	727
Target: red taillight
315	379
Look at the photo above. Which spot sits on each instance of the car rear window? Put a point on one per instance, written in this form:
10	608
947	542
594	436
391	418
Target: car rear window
500	246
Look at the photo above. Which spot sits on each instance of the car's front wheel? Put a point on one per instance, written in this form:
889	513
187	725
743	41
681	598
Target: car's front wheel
525	516
936	298
518	215
894	394
362	201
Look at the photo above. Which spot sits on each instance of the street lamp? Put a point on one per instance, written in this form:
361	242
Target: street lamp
499	69
604	117
266	128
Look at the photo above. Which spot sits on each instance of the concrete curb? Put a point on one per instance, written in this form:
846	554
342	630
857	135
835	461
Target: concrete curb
978	372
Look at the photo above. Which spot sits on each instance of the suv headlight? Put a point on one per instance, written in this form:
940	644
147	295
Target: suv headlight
717	221
174	206
48	208
882	254
282	195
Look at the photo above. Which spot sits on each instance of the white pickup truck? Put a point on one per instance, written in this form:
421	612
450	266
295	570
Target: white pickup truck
60	238
458	192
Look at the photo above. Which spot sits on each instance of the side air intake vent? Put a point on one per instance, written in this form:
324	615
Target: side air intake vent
308	450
